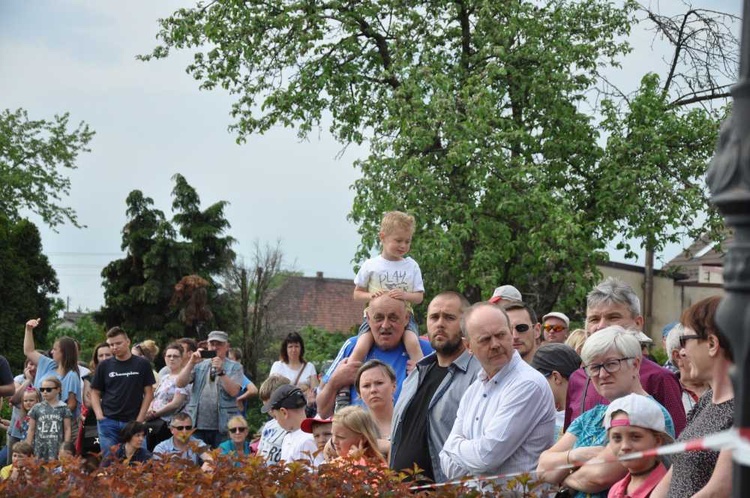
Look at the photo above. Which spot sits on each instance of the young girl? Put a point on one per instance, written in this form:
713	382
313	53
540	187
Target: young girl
49	421
636	423
30	398
355	435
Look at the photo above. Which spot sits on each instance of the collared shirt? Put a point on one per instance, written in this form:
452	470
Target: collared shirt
657	381
441	412
620	488
503	423
167	448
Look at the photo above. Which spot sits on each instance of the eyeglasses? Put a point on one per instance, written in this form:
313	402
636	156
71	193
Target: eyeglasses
522	327
235	430
685	338
555	328
609	366
47	389
182	427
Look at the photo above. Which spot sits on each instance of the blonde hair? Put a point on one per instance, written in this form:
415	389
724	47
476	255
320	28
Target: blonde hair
576	339
238	418
149	349
269	386
357	420
395	220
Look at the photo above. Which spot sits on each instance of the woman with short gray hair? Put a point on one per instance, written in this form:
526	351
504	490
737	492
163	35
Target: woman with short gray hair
611	358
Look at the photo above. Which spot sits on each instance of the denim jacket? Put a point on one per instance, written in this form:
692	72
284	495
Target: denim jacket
227	403
443	405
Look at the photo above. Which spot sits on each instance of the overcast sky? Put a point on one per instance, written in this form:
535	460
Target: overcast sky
151	122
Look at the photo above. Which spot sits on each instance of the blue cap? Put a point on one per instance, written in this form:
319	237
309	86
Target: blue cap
668	328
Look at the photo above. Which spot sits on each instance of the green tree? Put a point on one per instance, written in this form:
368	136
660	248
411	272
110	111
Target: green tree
27	282
476	114
139	288
33	157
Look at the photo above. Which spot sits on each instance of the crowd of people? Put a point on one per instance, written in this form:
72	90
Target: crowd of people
491	390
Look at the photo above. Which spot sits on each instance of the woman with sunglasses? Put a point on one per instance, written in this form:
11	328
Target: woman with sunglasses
612	359
707	350
237	444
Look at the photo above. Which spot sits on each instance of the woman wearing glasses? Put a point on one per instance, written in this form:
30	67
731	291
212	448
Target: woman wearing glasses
168	398
237	443
707	349
611	358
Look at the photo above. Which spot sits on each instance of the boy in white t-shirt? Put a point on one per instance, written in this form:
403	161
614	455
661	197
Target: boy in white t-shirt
271	434
392	273
287	405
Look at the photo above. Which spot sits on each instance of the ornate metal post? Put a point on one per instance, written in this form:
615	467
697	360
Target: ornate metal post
729	181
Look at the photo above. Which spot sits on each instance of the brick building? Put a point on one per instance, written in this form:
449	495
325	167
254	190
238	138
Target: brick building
322	302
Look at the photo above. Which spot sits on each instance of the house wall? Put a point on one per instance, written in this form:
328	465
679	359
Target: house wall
670	297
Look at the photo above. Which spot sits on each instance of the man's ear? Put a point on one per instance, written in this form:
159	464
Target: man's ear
639	322
557	377
713	344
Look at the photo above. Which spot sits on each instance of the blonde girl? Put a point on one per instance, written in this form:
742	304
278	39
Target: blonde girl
355	434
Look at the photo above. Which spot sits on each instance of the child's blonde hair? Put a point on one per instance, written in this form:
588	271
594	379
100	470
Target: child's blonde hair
357	420
269	386
396	220
576	339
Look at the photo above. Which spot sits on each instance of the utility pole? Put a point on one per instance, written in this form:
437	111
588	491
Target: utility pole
729	181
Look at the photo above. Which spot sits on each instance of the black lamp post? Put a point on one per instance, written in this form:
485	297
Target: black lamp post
729	181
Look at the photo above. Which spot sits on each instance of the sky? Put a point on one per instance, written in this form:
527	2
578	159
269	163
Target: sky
151	122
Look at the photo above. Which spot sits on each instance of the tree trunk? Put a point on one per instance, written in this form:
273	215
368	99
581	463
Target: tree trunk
648	290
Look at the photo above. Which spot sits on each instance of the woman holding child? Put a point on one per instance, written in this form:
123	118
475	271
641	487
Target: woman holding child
612	359
707	349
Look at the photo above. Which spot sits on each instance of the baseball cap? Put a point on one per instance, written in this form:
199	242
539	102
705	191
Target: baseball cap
286	396
668	328
218	335
643	338
554	357
507	292
309	423
642	411
557	314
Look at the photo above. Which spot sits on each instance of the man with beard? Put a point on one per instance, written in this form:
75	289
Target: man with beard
426	409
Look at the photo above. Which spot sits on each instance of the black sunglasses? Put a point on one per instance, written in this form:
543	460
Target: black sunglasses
47	389
685	338
234	430
182	427
522	327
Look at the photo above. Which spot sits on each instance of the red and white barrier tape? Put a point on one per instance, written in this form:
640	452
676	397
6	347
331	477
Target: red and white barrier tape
736	439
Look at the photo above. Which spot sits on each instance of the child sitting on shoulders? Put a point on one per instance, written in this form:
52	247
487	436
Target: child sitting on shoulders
392	273
636	423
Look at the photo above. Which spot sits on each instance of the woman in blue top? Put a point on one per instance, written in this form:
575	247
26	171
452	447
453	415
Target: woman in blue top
237	444
612	359
63	365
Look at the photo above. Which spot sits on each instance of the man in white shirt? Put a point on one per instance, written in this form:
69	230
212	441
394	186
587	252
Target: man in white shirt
507	416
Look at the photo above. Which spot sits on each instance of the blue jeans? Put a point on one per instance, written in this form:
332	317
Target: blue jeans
109	434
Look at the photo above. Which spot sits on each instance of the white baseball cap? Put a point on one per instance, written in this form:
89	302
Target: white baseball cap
506	292
642	411
557	314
